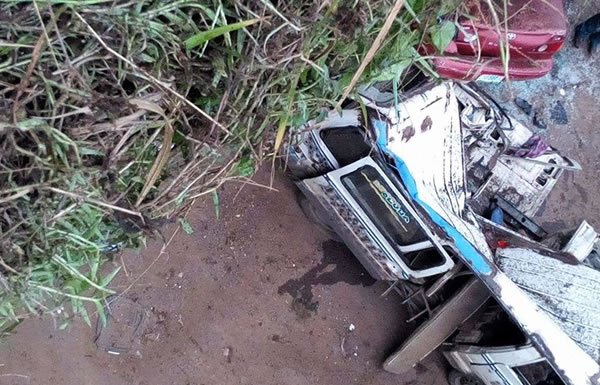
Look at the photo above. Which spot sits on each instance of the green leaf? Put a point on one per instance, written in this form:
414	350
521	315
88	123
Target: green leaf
145	58
84	314
409	8
186	226
415	6
392	72
245	167
448	6
94	265
283	120
101	313
202	37
106	280
90	151
216	203
424	65
180	198
442	35
28	124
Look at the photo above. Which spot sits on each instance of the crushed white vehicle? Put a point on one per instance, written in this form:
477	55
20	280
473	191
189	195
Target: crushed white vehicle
434	190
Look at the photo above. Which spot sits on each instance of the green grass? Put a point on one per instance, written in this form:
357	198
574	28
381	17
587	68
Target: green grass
114	118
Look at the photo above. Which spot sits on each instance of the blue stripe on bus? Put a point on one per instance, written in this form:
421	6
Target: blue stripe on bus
469	253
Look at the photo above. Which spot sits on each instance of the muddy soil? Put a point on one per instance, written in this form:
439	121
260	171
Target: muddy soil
257	296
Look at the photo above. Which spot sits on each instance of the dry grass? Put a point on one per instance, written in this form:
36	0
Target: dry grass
115	115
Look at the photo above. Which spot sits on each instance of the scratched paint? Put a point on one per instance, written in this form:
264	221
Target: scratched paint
427	167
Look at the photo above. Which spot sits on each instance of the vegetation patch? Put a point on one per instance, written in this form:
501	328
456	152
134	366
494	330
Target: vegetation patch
115	115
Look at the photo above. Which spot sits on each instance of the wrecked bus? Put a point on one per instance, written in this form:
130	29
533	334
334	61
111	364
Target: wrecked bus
433	190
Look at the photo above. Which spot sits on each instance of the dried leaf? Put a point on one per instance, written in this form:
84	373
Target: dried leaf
163	155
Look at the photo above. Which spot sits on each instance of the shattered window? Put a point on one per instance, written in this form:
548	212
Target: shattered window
424	259
539	373
346	144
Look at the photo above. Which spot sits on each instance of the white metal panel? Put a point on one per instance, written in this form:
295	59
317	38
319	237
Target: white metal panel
569	294
430	163
335	177
582	242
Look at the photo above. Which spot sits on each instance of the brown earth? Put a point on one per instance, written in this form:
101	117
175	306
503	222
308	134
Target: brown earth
259	296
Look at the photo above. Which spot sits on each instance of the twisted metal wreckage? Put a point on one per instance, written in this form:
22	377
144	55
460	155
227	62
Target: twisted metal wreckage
408	182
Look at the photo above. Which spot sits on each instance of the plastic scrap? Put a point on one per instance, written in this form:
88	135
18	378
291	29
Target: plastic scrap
533	148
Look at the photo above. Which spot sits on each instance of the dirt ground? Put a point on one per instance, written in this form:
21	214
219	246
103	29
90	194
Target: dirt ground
261	296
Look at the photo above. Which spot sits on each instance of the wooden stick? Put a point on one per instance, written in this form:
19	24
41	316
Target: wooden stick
96	202
372	51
